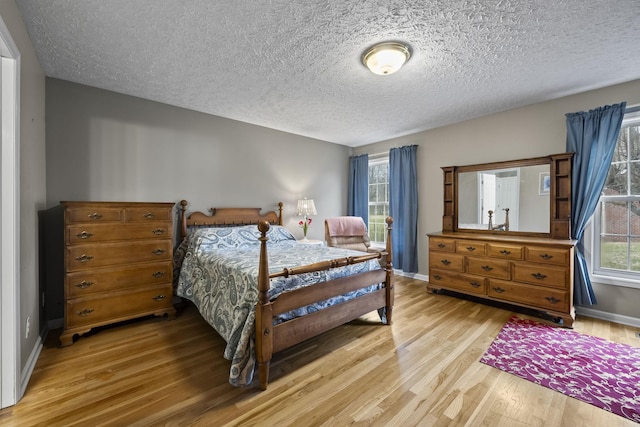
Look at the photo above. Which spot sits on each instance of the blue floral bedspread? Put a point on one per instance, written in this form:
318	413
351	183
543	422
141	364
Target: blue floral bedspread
218	272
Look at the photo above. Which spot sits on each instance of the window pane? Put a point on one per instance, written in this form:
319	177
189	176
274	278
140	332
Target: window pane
373	193
615	218
620	153
614	252
616	183
634	170
635	255
634	218
634	143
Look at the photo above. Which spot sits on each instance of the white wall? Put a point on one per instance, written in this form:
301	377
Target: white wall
106	146
532	131
32	174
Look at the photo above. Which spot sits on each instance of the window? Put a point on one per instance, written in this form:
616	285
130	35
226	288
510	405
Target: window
616	254
378	200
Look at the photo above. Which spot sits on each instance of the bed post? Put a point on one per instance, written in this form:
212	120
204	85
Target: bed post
280	204
264	314
183	219
389	270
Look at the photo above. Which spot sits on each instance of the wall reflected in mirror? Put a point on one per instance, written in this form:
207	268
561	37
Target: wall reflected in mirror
508	199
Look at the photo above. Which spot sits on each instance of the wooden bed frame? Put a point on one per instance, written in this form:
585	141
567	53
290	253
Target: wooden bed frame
273	338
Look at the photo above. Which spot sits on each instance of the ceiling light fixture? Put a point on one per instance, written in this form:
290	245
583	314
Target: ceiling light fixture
386	58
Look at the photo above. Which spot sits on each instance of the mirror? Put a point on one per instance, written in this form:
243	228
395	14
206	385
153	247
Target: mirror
525	196
507	199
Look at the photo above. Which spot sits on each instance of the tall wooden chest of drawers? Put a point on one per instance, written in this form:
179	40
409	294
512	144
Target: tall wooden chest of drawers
117	263
530	272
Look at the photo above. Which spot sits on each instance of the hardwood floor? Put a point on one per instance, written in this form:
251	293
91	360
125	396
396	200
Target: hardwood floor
423	370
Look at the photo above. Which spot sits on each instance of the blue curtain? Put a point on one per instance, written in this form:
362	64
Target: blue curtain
592	137
358	194
403	207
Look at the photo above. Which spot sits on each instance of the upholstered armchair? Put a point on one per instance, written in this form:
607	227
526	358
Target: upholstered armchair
349	232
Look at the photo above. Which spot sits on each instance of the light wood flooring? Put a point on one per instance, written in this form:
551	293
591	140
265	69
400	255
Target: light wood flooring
421	371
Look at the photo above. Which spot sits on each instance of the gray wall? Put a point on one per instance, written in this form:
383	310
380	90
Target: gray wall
106	146
32	175
532	131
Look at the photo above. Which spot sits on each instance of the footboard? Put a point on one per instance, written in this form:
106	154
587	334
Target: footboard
270	338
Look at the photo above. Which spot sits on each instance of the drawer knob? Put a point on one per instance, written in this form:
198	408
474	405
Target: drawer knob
158	274
445	262
498	290
437	277
546	256
441	245
487	268
84	284
475	284
149	215
95	215
552	300
84	312
159	251
84	258
84	235
159	298
505	252
158	231
471	248
538	276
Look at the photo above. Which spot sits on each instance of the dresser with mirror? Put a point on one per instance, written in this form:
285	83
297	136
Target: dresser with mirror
506	235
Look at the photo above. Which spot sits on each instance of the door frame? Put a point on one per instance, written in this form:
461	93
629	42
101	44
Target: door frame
10	369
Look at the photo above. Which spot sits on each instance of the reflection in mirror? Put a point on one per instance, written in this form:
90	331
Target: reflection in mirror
509	199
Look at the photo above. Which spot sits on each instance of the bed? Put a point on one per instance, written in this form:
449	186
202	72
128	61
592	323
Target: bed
263	291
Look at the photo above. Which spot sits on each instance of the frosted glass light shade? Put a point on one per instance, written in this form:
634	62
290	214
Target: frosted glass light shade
386	58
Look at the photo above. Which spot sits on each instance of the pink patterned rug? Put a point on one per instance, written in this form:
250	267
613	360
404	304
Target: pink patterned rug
594	370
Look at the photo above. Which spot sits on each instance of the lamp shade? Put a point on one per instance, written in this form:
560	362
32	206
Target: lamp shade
306	207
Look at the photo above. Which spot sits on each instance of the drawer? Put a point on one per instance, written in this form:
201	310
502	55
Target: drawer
545	255
555	277
536	296
83	257
458	281
105	232
470	247
117	306
505	251
94	214
489	267
444	245
89	282
448	261
149	213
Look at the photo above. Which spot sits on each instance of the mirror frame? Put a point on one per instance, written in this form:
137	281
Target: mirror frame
560	194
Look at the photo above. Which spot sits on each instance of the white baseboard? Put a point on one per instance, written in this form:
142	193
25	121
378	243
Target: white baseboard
30	365
411	275
611	317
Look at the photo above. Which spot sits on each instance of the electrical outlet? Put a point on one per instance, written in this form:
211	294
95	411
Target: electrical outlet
27	327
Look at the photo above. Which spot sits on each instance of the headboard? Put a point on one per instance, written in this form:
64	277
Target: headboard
226	217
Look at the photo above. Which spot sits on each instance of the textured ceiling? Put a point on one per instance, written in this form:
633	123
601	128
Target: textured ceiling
295	65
